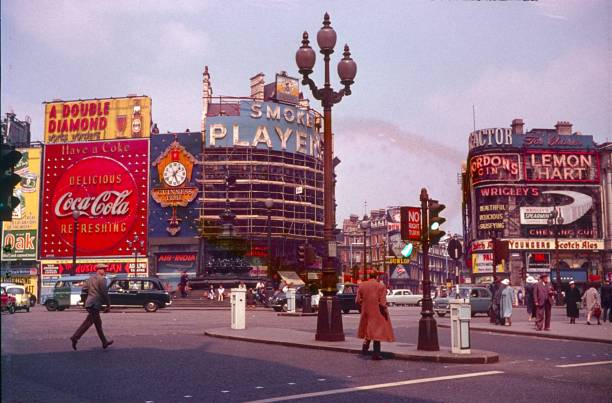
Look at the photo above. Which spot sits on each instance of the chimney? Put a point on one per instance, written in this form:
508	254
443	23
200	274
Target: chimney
518	126
563	128
257	87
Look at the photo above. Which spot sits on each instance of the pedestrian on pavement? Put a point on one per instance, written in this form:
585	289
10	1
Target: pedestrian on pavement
572	297
529	304
606	301
97	295
497	303
494	310
211	293
592	302
519	297
242	286
220	292
250	299
506	302
183	284
374	323
542	296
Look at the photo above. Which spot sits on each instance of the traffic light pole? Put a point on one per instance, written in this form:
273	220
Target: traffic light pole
428	329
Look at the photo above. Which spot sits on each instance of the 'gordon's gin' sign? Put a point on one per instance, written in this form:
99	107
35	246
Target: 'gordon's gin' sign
106	182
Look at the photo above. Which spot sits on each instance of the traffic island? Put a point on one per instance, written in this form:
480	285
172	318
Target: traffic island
303	339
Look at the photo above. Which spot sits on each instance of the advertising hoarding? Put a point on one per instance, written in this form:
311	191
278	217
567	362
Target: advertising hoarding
554	166
266	125
107	182
495	167
523	210
97	119
21	234
503	137
174	171
287	89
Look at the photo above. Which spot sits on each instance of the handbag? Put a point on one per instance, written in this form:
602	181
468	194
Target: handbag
597	312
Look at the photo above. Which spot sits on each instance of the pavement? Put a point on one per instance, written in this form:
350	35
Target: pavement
560	327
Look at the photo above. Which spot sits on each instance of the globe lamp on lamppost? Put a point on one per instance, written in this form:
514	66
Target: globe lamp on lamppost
329	321
134	244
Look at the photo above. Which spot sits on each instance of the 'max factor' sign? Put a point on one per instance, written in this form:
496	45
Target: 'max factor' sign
266	125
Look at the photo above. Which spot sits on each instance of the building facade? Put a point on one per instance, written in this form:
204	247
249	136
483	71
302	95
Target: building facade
376	240
263	167
539	190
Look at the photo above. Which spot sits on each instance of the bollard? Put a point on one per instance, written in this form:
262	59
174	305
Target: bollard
460	315
238	308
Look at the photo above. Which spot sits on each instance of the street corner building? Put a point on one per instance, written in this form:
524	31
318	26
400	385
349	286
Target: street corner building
547	192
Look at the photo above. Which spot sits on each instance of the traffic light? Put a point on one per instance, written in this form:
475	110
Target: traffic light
310	255
301	253
435	221
9	157
407	250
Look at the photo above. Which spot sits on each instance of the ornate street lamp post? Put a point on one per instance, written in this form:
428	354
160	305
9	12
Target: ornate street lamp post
554	221
269	203
133	244
329	323
75	214
365	225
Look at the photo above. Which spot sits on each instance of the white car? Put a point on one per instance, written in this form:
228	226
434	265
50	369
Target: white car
403	297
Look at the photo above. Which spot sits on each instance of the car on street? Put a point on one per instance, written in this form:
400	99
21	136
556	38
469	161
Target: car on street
347	293
479	298
18	291
144	292
8	301
278	301
403	297
66	293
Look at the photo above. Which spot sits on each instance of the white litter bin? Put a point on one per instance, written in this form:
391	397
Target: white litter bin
291	300
460	315
238	304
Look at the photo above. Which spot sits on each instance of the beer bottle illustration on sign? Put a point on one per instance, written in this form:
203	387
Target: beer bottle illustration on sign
136	120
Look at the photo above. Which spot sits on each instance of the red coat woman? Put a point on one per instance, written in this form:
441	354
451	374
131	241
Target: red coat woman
374	323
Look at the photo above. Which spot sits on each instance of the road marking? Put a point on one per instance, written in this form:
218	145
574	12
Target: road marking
375	386
584	364
259	387
225	391
291	383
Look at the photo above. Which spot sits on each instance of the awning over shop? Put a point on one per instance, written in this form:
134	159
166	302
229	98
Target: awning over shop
291	278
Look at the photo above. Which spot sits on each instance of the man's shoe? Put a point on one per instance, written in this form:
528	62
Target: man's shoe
108	343
376	357
74	343
588	323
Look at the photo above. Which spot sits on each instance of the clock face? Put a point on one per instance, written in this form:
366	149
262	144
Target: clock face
175	173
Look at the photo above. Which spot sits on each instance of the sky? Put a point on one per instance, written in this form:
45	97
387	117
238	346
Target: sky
423	67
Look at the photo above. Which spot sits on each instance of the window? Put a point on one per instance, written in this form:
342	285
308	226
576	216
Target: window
149	285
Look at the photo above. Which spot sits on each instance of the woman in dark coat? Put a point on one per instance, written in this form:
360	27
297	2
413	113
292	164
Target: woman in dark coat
571	299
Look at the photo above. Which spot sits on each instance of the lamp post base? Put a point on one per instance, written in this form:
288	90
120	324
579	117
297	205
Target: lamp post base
428	333
329	320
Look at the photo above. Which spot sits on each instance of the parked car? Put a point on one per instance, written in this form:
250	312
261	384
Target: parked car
18	291
8	301
278	301
403	297
479	297
347	293
145	292
66	293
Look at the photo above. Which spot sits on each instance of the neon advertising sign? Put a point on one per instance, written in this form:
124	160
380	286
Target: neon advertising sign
561	166
107	183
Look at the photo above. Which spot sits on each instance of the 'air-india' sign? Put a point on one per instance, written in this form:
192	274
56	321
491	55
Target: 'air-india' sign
106	183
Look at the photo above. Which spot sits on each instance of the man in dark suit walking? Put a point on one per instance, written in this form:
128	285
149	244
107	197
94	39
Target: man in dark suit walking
97	295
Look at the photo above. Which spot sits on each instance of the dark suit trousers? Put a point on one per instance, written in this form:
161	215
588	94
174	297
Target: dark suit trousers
543	316
93	318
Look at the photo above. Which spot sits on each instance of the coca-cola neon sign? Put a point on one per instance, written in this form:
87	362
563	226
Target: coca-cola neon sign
107	183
